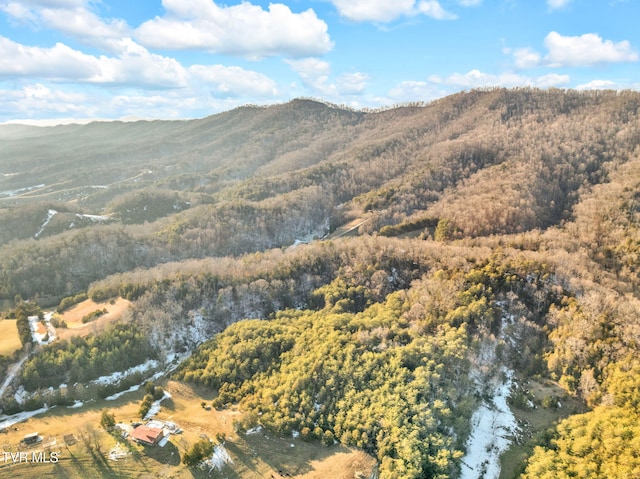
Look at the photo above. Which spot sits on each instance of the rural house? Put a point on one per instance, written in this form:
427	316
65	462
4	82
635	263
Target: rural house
146	435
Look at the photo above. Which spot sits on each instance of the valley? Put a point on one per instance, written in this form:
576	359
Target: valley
446	290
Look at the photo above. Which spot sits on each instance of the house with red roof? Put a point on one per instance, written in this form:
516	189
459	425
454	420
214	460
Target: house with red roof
149	436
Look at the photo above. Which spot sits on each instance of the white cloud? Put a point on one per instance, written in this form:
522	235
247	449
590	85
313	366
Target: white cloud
550	80
86	26
557	4
134	66
599	85
43	100
18	11
586	50
433	9
351	83
526	58
387	11
59	62
416	90
578	51
438	87
313	72
173	105
374	10
235	81
469	3
315	75
52	3
243	29
71	17
478	79
137	66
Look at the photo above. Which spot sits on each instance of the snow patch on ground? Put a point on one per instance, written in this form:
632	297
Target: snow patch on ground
12	371
115	396
21	395
493	425
94	217
7	421
155	407
219	459
76	404
50	215
493	428
12	193
320	232
120	375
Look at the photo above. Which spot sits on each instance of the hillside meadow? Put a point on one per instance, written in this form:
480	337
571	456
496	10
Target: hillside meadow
90	451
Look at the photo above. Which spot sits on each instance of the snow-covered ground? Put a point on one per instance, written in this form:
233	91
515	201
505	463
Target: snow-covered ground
493	427
93	217
120	375
50	215
115	396
194	333
13	370
7	421
155	407
12	193
218	459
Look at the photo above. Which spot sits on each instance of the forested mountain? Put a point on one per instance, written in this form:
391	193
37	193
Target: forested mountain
494	235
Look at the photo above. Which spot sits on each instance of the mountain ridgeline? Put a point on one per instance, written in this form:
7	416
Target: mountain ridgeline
74	198
490	237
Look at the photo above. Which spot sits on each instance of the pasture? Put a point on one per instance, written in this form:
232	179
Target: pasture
9	339
73	317
260	455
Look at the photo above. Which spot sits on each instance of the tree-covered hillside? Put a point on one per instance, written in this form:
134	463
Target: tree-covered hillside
488	238
483	162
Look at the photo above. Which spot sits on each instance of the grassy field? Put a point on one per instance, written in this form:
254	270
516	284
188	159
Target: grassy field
9	339
537	421
254	456
73	317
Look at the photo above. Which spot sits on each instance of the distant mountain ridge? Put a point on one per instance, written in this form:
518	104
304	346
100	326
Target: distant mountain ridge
484	162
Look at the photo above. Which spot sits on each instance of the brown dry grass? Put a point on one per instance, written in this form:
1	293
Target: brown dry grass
9	339
254	456
73	317
538	420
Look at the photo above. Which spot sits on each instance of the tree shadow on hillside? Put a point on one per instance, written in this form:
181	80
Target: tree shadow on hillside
97	466
168	454
168	404
284	460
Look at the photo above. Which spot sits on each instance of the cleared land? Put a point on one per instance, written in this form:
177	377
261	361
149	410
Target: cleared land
9	339
537	421
73	317
254	455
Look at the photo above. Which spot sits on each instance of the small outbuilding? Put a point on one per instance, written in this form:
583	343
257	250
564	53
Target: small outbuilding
149	436
32	438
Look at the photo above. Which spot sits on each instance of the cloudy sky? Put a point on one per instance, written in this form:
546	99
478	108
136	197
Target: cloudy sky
192	58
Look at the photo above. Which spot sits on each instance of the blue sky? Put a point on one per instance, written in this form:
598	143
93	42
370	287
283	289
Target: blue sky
111	59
